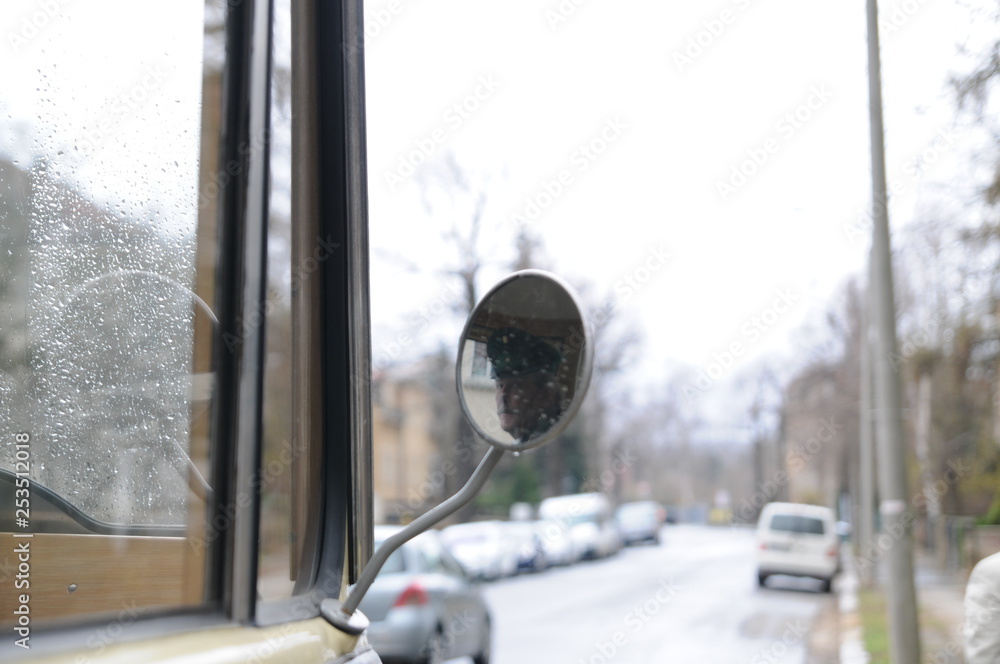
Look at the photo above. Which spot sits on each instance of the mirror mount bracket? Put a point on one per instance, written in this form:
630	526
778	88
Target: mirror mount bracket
547	358
342	616
354	624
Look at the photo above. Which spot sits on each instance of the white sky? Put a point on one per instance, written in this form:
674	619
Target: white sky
545	89
657	184
147	61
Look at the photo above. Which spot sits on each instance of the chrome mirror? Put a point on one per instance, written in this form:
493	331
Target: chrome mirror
524	361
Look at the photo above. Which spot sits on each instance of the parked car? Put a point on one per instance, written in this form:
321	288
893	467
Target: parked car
423	607
556	543
639	521
526	540
482	548
588	520
797	540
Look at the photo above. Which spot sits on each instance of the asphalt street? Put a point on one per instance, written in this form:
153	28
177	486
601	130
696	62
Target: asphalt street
694	598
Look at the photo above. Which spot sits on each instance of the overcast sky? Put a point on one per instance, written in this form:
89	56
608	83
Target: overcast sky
733	136
703	164
121	67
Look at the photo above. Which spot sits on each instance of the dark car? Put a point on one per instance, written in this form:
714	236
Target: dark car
423	607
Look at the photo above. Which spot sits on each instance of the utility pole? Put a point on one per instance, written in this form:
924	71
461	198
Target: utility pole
866	491
904	636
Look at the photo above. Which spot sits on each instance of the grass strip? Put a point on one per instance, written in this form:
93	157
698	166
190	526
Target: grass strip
874	624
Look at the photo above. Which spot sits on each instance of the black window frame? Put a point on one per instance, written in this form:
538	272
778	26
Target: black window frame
332	74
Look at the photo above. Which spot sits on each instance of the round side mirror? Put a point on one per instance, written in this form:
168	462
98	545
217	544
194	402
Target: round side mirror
524	361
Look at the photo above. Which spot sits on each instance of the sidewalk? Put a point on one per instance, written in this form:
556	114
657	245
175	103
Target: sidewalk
940	596
852	643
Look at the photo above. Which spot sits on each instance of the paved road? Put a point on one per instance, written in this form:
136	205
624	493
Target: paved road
692	599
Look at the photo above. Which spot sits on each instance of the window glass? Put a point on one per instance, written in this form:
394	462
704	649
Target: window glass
450	565
107	202
797	524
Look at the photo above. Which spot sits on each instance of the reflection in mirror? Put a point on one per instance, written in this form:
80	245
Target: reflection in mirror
524	361
523	367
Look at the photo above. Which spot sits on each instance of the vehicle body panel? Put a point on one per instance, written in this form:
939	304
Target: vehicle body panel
482	549
587	517
313	640
449	605
527	542
639	521
798	540
556	543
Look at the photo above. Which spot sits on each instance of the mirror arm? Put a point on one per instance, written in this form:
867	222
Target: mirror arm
419	525
520	352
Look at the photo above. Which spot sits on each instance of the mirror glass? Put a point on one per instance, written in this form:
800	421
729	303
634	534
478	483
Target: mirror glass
524	361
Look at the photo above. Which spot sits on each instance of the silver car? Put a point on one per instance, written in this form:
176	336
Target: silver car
640	521
482	548
423	607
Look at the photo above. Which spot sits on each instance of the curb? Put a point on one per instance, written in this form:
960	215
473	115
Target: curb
852	644
837	636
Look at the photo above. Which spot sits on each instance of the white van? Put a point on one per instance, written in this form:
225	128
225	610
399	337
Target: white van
588	520
797	540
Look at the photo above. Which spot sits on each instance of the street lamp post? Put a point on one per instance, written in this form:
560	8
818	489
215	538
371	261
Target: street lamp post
904	636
